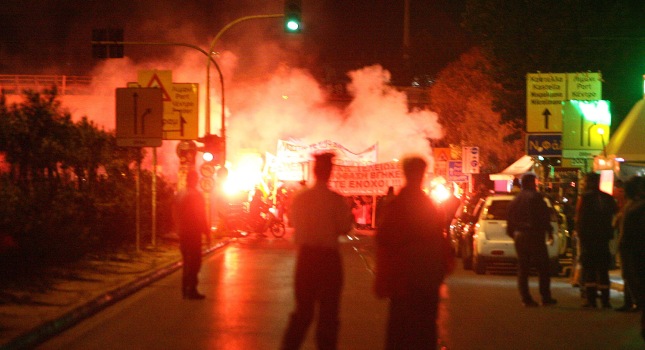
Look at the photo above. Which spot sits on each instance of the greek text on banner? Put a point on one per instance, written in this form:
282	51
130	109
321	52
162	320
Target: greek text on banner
366	180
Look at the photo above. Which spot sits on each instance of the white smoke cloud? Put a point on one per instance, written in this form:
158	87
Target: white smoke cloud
291	104
287	103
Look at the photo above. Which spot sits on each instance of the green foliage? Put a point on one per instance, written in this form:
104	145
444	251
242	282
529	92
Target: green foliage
463	98
67	189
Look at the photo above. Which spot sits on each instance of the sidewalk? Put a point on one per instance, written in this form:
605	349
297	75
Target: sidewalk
32	316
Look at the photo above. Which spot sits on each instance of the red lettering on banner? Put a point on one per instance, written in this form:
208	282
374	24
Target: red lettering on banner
366	180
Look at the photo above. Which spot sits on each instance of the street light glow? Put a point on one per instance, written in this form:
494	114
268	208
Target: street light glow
595	111
208	157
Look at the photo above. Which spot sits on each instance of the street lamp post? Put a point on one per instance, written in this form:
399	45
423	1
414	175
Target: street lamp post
208	65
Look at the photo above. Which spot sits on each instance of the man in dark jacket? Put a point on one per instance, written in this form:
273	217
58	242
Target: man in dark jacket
594	224
634	246
414	250
529	220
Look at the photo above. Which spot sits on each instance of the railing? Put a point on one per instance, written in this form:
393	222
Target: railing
82	85
65	84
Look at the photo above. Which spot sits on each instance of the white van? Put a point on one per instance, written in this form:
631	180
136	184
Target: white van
492	247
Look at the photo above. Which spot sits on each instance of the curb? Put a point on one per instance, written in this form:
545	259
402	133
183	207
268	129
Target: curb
51	328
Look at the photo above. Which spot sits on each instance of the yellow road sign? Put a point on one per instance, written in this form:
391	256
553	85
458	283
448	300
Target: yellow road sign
544	95
161	79
584	86
183	121
585	128
180	104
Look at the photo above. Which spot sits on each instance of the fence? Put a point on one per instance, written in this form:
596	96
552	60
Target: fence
65	84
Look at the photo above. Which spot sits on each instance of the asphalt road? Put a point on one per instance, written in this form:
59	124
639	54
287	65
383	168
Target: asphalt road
249	296
248	286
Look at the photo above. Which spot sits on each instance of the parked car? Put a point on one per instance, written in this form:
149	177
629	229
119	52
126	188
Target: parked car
460	227
492	247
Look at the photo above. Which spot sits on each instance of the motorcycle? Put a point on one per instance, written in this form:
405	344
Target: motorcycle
240	223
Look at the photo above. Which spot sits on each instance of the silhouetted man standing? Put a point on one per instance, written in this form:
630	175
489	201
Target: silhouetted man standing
594	225
413	257
528	223
634	247
191	222
319	216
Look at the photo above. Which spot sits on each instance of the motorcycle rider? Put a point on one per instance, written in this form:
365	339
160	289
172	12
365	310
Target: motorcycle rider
256	208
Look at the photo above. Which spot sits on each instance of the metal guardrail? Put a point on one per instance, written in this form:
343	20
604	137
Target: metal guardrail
12	84
65	84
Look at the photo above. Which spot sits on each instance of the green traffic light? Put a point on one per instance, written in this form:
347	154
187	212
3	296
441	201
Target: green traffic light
293	25
292	16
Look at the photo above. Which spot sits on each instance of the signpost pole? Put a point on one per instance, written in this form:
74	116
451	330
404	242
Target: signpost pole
138	204
154	196
139	124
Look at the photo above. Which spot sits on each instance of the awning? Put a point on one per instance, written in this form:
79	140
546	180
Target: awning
628	142
520	167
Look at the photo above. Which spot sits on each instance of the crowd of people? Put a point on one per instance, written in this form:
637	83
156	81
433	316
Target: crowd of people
413	254
597	219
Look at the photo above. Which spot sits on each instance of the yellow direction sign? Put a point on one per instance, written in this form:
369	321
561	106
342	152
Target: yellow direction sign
183	123
180	104
585	128
584	86
138	117
544	95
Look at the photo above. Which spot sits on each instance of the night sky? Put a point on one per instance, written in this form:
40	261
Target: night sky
52	36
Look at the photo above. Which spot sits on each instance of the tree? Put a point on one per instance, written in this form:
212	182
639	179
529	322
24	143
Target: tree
69	188
34	138
463	98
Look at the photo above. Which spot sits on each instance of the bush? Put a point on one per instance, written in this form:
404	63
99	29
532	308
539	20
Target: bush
67	191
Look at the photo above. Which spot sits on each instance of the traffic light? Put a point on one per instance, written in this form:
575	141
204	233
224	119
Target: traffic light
212	148
104	50
293	16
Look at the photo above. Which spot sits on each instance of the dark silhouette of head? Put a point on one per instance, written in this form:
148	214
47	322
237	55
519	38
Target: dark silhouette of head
323	166
191	179
528	181
414	169
592	181
632	187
